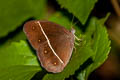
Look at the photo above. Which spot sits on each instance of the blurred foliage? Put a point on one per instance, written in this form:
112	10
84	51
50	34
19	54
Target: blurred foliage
19	62
13	13
79	8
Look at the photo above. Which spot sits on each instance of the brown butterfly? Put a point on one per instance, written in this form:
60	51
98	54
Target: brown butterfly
52	42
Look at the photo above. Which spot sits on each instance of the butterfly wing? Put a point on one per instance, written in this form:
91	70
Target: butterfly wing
61	40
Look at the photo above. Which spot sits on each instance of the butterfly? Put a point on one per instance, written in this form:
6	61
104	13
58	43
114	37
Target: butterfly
53	43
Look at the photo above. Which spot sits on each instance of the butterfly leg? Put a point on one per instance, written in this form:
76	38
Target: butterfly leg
77	38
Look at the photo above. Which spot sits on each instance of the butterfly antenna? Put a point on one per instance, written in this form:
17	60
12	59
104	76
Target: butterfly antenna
72	22
75	23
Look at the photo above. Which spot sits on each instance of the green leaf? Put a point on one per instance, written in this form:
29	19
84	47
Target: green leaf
17	62
14	12
79	8
14	37
79	56
100	44
18	72
81	76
